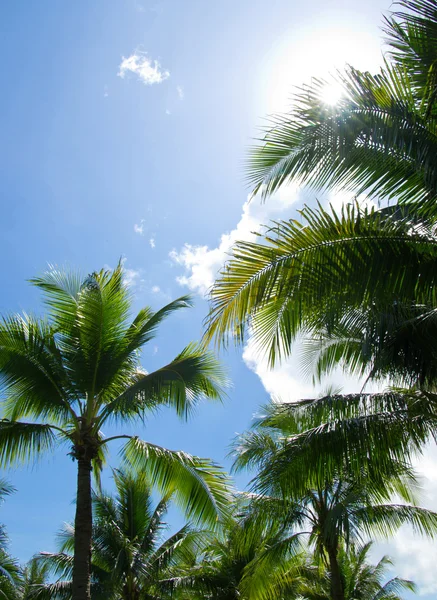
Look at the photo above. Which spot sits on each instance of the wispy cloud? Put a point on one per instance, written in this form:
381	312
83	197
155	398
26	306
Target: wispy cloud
152	243
156	289
180	91
132	277
139	227
147	70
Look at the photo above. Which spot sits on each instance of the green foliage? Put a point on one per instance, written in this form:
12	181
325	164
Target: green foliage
360	579
131	557
379	139
65	376
327	472
80	368
301	277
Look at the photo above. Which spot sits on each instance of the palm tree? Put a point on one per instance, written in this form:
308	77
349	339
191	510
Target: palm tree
222	566
327	502
130	555
360	579
381	136
35	576
77	370
10	571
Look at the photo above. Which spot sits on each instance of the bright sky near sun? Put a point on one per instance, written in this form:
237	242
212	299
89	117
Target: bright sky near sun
125	124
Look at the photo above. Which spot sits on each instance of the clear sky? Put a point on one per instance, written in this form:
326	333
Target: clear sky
125	125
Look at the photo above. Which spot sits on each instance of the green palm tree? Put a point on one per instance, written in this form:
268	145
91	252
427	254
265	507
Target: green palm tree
361	580
380	138
222	567
301	483
10	571
77	370
130	554
35	576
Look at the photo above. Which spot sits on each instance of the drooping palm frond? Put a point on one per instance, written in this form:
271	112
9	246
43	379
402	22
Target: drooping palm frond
302	276
31	370
412	38
394	342
198	485
20	442
379	138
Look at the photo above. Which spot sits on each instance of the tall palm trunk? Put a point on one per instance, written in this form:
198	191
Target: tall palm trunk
83	530
337	592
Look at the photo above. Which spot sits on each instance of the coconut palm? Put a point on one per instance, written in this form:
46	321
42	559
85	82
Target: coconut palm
130	553
78	370
35	576
380	138
302	484
10	571
222	567
360	578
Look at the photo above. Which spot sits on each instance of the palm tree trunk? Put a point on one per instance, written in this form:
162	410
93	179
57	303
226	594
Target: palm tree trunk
82	532
337	592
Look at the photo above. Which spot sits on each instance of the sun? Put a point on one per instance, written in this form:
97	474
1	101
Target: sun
331	93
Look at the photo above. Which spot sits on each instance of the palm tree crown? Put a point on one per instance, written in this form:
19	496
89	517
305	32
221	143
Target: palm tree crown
77	370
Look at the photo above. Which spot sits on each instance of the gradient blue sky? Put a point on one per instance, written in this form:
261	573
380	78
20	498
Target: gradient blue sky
94	166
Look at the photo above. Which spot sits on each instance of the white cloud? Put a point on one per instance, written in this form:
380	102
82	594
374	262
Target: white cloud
180	91
202	263
282	382
415	556
132	277
139	227
156	289
148	71
287	380
152	242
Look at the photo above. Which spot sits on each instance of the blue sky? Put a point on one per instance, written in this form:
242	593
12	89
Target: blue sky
125	125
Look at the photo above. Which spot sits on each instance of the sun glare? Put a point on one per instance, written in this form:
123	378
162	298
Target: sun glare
331	93
315	51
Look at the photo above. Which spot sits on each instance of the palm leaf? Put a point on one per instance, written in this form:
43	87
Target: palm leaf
197	485
193	375
20	442
302	276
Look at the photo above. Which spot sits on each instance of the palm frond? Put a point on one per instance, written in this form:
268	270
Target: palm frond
20	442
197	485
302	276
193	375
